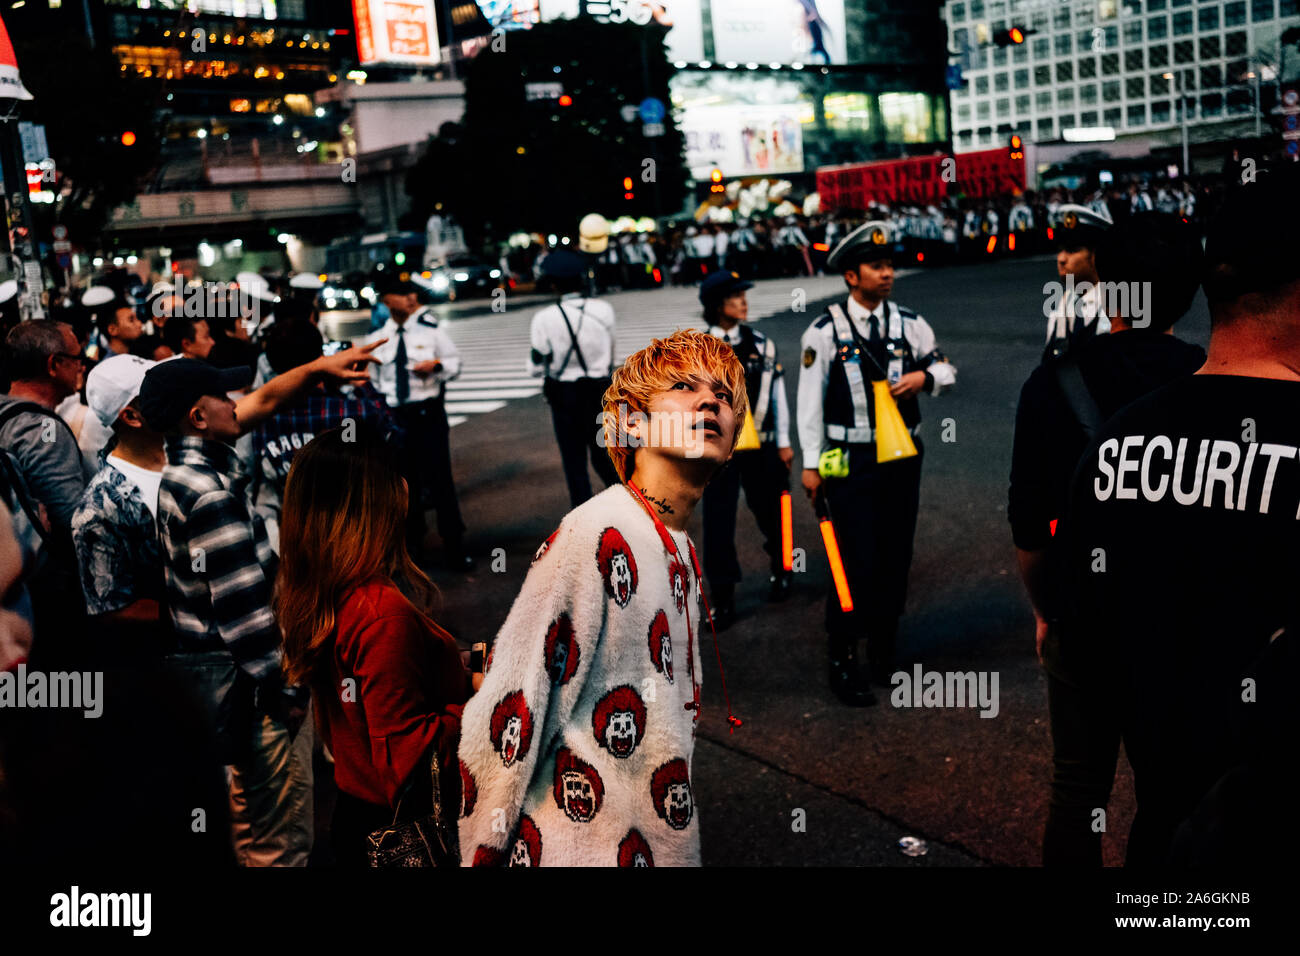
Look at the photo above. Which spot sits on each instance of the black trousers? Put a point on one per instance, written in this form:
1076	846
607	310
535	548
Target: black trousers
428	470
575	412
874	514
763	476
1085	749
354	819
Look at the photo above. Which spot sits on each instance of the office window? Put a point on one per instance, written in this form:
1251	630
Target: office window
1083	16
1022	79
1234	14
1180	3
986	137
1109	64
1064	72
1234	44
1087	119
1160	112
961	38
1133	32
1158	55
1044	101
1067	121
1000	82
963	113
1236	71
1112	37
1110	91
1045	128
1087	43
1061	18
1042	48
1065	97
1137	115
1183	52
1209	48
1154	5
1287	8
1004	107
1112	117
1088	94
1087	68
1132	8
1157	28
1135	87
1132	60
1063	44
1020	54
982	110
1159	85
1182	24
981	84
965	138
1261	10
1211	77
976	9
1042	75
997	8
1039	21
1212	104
1241	101
1000	56
1207	19
1022	104
958	12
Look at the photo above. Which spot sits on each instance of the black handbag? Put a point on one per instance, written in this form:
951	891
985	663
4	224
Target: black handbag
426	841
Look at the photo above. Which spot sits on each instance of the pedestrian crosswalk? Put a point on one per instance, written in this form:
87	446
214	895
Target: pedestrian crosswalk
494	347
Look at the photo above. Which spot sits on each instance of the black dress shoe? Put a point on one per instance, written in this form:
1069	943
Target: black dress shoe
779	586
848	685
724	615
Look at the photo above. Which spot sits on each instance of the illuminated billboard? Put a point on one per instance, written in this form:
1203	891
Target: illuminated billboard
743	140
742	31
396	31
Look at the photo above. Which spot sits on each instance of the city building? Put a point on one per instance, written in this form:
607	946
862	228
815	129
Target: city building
1085	64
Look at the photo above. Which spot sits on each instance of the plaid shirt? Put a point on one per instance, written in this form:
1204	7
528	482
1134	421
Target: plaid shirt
277	438
217	561
117	544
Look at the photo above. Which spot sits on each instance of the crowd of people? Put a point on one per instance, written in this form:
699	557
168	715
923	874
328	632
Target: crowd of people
235	520
957	229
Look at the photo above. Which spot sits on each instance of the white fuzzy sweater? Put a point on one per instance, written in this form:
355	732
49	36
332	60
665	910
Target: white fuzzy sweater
577	749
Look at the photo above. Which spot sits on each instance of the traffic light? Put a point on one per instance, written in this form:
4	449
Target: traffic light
128	138
716	177
627	187
1017	149
1013	37
566	100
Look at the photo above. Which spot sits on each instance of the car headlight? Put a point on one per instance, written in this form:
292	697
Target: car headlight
495	273
440	283
461	276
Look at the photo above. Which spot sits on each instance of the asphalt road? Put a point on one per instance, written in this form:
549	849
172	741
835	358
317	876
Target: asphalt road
974	788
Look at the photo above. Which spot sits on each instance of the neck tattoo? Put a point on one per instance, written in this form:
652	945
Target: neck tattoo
661	504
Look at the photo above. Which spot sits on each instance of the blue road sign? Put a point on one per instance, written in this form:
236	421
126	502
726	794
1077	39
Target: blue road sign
653	110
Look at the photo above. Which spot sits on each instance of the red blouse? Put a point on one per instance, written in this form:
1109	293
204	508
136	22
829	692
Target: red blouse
408	692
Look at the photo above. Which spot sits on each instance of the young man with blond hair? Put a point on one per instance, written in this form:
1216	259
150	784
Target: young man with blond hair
583	731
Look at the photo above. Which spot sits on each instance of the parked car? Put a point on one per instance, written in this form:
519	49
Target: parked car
460	277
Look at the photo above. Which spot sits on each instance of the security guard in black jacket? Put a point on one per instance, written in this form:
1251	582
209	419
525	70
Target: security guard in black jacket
761	463
873	504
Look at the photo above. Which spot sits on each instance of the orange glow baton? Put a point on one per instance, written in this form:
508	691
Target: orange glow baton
787	532
833	554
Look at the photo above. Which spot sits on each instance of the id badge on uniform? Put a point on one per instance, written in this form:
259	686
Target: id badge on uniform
895	369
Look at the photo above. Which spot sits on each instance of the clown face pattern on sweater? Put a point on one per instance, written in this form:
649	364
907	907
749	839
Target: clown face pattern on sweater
581	734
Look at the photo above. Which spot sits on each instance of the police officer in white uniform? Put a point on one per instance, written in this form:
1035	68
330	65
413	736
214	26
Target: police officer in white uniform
873	505
416	361
1078	317
573	346
761	462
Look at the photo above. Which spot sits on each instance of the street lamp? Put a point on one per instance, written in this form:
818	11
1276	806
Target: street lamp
1182	113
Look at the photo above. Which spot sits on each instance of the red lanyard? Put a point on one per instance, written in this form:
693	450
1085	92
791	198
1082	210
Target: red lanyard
670	546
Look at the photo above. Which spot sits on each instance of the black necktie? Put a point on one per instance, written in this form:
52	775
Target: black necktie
403	389
874	339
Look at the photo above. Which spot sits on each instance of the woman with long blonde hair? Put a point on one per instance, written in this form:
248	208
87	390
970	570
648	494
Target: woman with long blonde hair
387	681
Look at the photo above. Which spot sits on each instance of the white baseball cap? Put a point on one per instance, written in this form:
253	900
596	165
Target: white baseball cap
113	383
306	280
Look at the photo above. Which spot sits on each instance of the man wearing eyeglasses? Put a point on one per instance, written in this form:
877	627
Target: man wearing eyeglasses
41	460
